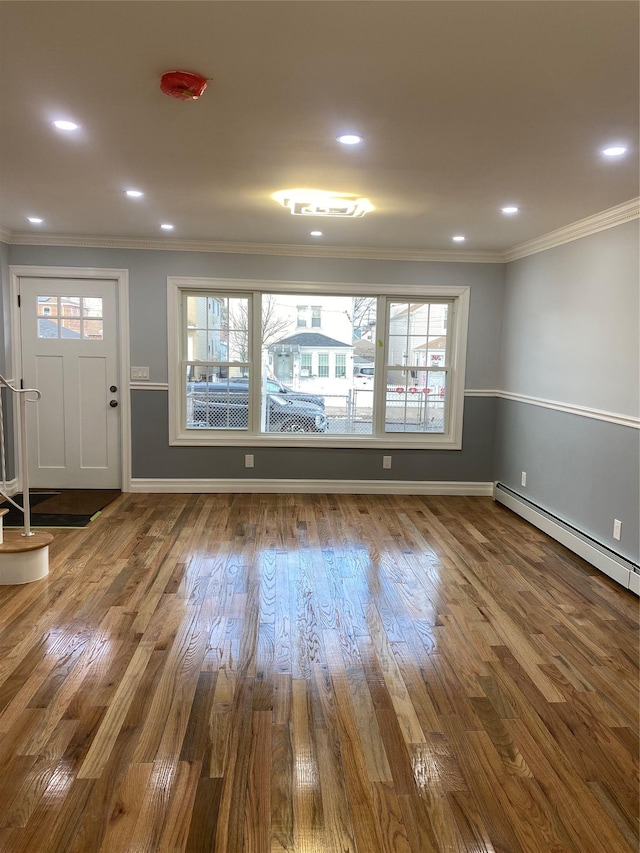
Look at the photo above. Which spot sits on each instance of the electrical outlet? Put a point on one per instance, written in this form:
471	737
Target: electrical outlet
617	529
139	373
386	462
523	479
248	460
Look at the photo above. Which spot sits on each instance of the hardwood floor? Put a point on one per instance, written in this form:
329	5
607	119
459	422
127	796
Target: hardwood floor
318	674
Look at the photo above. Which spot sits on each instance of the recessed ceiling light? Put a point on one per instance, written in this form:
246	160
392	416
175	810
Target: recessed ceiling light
315	233
35	220
62	124
134	193
614	151
167	226
349	139
509	211
458	238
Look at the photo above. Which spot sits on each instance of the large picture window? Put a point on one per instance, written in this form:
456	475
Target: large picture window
383	369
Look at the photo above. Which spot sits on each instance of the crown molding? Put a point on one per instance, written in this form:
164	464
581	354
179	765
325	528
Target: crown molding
281	249
617	215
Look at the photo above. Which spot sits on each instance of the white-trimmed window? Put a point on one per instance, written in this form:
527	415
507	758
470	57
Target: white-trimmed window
323	365
243	370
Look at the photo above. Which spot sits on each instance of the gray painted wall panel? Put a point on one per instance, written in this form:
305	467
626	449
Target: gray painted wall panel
154	458
570	334
570	324
585	471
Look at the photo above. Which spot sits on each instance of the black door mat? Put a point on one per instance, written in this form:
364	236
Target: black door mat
63	508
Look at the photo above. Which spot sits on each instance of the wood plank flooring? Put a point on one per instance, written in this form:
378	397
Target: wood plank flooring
317	674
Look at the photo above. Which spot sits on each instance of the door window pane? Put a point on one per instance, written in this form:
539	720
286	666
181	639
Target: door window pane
70	317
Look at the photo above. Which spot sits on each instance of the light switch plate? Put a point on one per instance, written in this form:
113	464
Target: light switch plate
138	373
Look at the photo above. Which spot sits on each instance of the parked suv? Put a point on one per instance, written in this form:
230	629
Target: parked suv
276	387
225	405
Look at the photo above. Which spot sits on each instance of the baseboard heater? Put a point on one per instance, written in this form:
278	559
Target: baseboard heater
623	571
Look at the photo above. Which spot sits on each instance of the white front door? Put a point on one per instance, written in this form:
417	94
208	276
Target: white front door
69	331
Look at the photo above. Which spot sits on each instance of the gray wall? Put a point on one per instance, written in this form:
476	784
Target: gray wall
151	455
570	326
570	335
471	464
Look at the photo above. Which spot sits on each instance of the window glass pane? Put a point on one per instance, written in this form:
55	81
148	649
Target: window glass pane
416	397
196	312
47	306
317	372
92	330
436	350
198	348
399	318
417	402
70	306
418	319
48	328
217	397
92	306
235	314
70	329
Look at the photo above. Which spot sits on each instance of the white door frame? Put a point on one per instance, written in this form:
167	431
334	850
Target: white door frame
14	357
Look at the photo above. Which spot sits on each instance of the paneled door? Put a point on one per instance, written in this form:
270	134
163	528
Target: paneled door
69	331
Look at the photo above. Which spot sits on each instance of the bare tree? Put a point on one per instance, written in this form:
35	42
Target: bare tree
363	313
274	325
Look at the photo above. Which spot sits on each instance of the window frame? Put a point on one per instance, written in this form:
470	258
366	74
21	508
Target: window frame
457	332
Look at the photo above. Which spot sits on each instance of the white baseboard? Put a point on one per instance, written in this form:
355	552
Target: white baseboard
604	562
328	487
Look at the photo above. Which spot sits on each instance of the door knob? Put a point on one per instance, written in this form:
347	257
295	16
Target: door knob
113	403
113	389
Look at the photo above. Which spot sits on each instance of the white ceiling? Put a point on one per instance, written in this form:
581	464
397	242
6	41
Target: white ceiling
464	107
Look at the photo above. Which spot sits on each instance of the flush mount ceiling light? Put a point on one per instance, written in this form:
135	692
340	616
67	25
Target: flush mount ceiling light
614	151
349	138
134	193
167	226
35	220
302	202
315	233
62	124
458	238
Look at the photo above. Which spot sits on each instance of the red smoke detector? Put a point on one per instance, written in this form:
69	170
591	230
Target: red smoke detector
183	85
